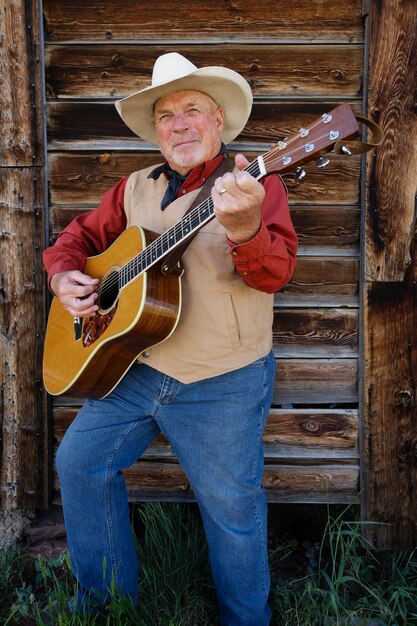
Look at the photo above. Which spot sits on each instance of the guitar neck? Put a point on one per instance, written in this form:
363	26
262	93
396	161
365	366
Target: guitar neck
174	236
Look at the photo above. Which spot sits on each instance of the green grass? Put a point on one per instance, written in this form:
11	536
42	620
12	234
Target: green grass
348	585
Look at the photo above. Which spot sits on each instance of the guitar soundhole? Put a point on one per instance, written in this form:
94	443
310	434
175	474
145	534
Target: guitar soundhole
108	292
95	326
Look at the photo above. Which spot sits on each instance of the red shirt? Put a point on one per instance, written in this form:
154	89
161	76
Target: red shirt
266	262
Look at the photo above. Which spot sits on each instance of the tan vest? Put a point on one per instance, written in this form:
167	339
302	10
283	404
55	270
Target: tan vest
224	324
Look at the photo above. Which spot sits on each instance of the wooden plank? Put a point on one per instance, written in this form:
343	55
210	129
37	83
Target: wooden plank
333	227
99	126
388	434
306	382
23	453
308	20
331	230
308	435
101	70
167	482
315	333
392	185
21	93
316	381
82	179
389	441
321	280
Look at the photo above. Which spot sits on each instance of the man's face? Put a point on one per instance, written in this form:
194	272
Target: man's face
188	125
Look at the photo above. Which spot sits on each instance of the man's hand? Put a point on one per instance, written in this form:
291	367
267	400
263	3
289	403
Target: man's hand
237	199
76	292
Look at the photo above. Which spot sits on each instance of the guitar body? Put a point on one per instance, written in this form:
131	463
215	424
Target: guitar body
88	359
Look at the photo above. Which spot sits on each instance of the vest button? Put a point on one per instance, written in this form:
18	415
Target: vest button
184	191
234	252
145	355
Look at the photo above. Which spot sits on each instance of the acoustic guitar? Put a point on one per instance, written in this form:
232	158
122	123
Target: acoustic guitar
139	304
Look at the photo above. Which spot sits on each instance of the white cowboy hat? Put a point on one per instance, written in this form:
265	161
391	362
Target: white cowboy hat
173	72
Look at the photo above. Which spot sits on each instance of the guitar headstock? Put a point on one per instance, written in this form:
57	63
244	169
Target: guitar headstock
313	141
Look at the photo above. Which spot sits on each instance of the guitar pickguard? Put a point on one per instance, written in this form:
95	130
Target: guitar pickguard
95	326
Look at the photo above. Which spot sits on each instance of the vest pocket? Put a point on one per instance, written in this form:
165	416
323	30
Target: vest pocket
232	319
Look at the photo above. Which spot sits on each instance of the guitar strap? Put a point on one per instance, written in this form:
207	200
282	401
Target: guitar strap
170	262
358	147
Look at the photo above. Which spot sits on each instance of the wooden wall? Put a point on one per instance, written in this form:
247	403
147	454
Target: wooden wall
301	59
23	420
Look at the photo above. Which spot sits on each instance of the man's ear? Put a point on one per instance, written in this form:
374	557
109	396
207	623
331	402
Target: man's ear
220	119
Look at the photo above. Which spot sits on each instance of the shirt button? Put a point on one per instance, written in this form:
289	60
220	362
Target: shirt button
245	273
234	252
145	355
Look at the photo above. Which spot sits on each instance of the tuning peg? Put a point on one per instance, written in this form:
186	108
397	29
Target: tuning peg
346	150
322	162
299	174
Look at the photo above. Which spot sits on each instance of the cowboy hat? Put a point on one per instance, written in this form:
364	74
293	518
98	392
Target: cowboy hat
173	72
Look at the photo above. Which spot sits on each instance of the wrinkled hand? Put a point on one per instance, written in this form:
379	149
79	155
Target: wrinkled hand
76	292
237	199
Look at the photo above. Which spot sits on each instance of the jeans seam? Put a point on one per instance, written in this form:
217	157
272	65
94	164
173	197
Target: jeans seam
256	511
109	518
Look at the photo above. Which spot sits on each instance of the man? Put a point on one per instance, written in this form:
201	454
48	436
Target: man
208	387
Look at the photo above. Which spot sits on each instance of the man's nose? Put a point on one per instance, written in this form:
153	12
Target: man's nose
180	122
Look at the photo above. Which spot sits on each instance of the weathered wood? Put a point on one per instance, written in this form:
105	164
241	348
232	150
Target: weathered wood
20	94
116	71
316	381
150	481
315	332
308	20
23	460
331	230
388	433
389	442
309	434
166	482
390	222
322	280
99	126
80	178
307	382
334	229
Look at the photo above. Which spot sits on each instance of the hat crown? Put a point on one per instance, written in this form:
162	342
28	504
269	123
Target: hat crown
169	67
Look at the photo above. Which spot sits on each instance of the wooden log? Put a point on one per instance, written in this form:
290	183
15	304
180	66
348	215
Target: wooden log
21	94
315	332
392	186
389	442
305	20
325	382
308	435
80	178
24	455
331	281
316	381
388	435
99	126
167	482
99	70
321	230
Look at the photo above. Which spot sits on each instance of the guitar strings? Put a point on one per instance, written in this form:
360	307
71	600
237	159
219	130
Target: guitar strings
177	229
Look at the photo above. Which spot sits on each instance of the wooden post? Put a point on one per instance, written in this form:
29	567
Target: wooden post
23	449
389	434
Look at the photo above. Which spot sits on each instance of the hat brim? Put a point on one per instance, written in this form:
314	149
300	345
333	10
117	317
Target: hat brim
227	88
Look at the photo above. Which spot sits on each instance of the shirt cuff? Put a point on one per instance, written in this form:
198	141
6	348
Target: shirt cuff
253	249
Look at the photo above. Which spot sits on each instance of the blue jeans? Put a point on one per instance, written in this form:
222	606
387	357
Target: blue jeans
215	429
